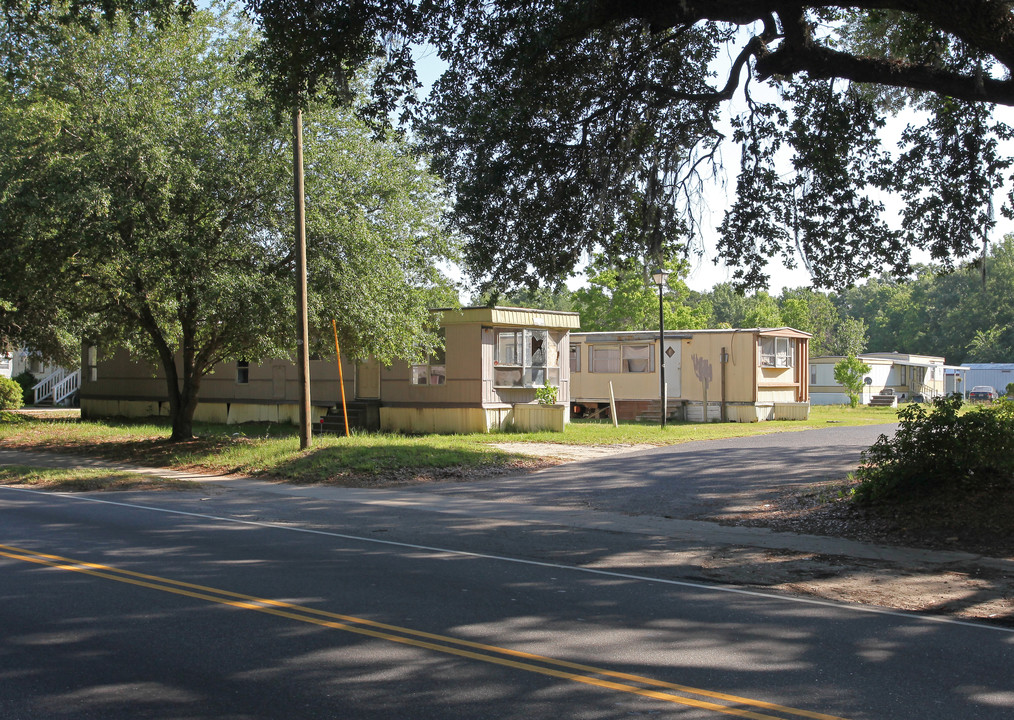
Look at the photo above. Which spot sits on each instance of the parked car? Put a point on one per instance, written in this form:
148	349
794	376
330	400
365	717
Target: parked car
982	393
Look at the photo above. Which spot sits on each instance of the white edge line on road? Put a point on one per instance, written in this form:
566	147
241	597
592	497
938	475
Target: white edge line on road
536	563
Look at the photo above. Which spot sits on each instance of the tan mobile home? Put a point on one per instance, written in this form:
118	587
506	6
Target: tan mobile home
742	375
494	359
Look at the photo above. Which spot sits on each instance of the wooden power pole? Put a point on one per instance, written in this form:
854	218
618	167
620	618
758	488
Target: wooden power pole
302	324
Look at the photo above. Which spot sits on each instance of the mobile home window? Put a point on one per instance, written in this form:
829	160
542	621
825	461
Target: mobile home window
429	374
92	362
778	352
604	358
638	358
242	372
434	370
575	358
522	358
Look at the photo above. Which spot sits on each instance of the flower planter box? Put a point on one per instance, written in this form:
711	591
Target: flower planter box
534	417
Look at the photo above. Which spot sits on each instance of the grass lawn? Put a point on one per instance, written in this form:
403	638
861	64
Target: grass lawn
368	459
66	480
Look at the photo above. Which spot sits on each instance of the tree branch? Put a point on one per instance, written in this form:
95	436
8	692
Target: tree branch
821	62
985	25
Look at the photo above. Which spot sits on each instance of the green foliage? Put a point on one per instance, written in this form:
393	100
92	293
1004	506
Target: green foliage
571	125
10	394
153	203
849	372
763	311
941	450
622	296
988	346
547	394
543	298
826	211
965	316
849	337
310	49
26	381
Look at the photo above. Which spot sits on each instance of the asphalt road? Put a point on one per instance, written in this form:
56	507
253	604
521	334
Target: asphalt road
258	605
691	480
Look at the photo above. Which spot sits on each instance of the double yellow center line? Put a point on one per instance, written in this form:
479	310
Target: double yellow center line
599	677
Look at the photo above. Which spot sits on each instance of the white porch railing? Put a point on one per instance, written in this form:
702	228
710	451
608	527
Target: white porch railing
66	388
44	388
57	386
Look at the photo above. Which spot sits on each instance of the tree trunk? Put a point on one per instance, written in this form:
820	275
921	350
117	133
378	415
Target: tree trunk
182	400
183	417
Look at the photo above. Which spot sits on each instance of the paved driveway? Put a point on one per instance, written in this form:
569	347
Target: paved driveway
697	479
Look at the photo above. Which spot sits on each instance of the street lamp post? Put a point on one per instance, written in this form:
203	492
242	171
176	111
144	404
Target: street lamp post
659	277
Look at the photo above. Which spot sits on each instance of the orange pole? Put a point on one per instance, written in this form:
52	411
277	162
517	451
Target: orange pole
341	378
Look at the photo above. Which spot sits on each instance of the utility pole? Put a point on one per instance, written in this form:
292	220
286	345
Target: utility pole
659	277
302	324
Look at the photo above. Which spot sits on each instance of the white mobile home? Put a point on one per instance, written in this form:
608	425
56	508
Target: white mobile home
904	376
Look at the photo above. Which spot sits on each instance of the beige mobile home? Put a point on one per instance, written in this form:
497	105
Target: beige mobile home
494	359
741	375
236	392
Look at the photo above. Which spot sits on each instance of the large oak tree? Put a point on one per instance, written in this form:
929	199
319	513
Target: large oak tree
571	125
146	188
595	124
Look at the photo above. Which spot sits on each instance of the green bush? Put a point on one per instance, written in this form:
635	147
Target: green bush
940	450
10	394
546	395
27	381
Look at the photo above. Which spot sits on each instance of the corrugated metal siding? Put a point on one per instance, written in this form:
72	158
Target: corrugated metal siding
535	318
562	340
996	374
488	396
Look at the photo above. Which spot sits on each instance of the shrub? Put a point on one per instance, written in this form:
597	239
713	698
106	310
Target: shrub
849	373
547	394
10	394
939	450
27	381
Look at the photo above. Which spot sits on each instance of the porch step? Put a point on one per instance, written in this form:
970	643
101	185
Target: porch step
334	421
653	413
884	400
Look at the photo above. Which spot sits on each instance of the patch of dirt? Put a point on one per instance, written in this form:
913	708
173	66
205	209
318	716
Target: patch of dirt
976	524
968	592
402	477
981	523
570	453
